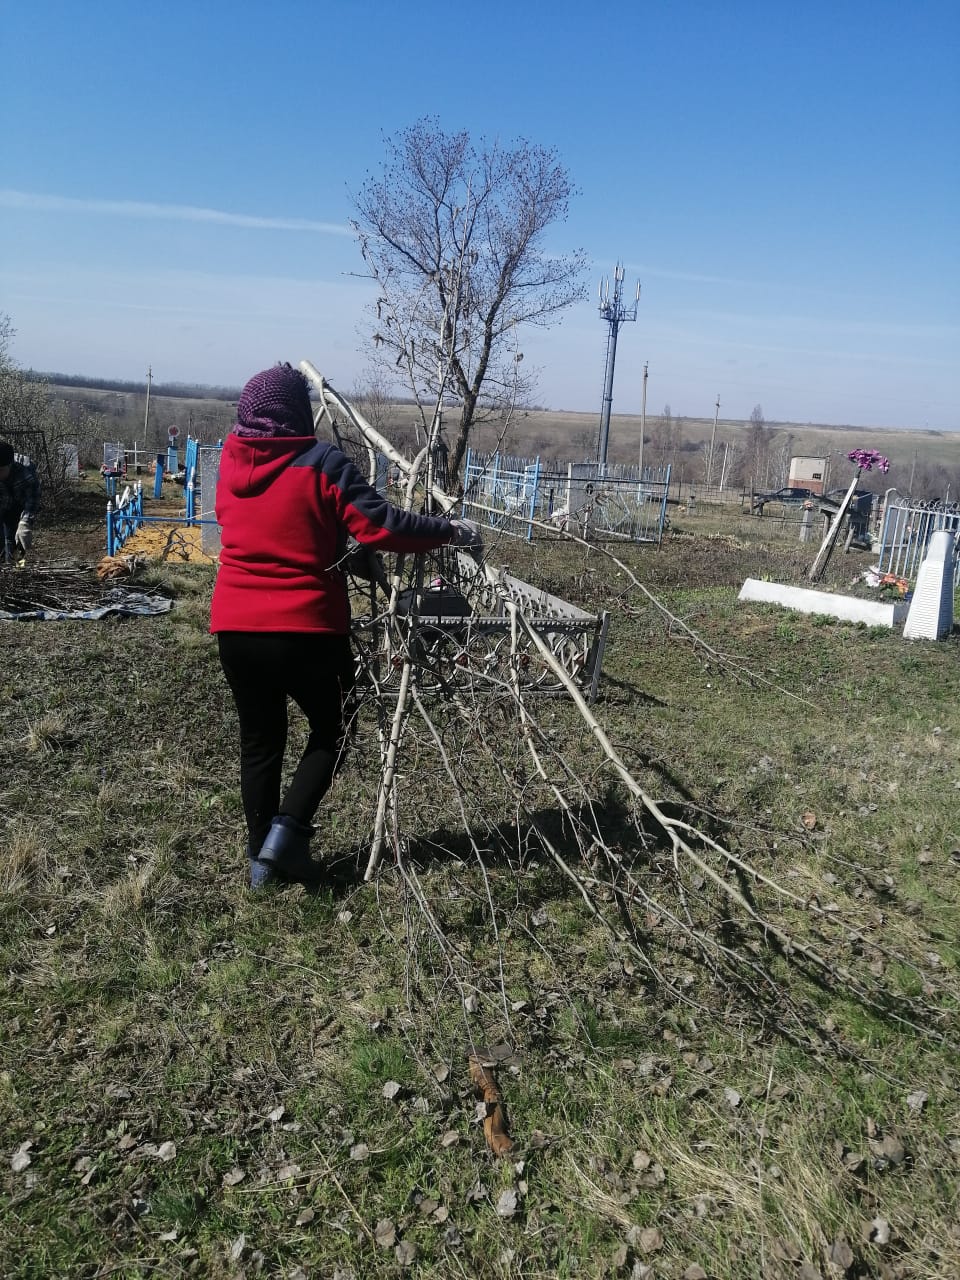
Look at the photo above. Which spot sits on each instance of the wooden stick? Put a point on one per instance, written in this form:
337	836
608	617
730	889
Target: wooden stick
829	541
495	1121
389	770
369	432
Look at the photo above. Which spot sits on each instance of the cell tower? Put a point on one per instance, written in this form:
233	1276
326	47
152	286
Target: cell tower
615	313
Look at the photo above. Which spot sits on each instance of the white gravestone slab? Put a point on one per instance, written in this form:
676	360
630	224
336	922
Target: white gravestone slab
931	609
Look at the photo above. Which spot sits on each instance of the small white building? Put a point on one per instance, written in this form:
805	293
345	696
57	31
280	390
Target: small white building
807	473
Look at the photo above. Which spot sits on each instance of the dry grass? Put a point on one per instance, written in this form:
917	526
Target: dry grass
152	1000
26	864
45	734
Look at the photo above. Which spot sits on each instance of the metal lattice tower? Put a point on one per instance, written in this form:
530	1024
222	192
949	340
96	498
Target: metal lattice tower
615	314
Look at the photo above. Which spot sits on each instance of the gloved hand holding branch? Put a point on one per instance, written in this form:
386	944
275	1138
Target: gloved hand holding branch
466	534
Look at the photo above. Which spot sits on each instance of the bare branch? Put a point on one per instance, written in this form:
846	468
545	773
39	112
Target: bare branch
454	235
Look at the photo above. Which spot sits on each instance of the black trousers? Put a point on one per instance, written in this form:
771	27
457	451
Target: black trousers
263	670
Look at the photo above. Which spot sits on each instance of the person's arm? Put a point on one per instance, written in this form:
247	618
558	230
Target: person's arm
373	520
31	490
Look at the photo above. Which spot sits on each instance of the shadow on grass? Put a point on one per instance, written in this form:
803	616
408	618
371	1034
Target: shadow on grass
777	985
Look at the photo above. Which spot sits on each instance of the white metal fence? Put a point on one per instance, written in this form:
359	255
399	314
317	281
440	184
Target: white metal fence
208	469
907	529
513	494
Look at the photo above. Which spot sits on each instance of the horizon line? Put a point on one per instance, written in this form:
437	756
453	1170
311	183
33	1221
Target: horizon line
51	376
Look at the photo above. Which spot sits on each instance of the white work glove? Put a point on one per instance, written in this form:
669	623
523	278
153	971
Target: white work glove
466	534
24	534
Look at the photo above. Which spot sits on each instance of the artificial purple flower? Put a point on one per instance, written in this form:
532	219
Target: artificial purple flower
867	459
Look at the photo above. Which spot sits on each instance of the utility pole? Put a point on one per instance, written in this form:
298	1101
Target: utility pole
913	471
615	314
713	441
146	416
643	417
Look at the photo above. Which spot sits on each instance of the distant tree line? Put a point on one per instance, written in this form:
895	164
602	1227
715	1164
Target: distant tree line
176	390
40	413
756	452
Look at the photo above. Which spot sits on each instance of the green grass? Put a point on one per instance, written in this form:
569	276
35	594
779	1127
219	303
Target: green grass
149	1000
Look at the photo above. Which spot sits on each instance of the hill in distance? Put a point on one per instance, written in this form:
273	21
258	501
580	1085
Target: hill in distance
208	413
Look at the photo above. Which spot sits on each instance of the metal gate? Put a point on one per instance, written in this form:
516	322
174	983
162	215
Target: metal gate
208	469
907	529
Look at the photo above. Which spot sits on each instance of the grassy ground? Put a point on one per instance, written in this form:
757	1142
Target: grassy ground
196	1081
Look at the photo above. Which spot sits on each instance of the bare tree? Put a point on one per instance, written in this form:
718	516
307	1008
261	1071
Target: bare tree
782	458
453	234
23	400
758	446
373	399
662	440
731	464
35	423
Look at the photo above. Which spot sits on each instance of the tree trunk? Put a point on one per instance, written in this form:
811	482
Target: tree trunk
463	435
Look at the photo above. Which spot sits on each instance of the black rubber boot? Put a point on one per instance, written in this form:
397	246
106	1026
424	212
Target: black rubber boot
260	873
286	852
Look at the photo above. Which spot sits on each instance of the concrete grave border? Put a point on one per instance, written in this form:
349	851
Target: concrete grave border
805	600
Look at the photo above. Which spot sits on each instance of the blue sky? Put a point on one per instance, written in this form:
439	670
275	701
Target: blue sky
782	177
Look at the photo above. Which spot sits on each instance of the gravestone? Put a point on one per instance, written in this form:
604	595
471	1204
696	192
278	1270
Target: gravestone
931	609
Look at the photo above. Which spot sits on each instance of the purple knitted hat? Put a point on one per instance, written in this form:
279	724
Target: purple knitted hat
275	402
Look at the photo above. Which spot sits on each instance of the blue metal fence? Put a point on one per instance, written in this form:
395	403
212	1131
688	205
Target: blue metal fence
191	485
124	517
501	491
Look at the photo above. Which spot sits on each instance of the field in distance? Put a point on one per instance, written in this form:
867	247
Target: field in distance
553	434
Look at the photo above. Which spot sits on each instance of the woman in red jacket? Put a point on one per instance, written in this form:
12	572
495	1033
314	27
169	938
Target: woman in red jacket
286	503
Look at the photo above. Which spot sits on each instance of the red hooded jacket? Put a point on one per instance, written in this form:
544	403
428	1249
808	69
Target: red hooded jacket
285	505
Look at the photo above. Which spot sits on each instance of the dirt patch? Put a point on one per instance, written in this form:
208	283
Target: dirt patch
168	542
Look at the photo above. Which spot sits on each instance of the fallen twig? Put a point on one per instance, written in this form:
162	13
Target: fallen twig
495	1120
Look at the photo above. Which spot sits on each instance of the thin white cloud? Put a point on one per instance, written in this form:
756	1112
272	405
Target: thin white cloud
642	271
693	277
34	202
751	322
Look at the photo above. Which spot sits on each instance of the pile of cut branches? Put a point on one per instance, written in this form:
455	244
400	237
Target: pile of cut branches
676	902
33	588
